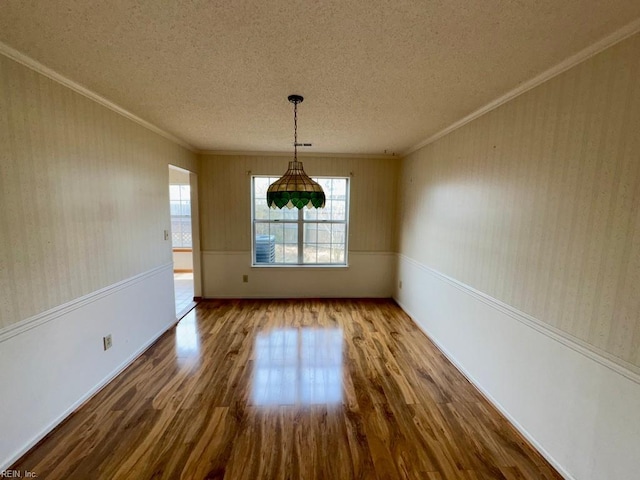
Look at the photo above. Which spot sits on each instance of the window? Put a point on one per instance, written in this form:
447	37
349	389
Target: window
301	237
180	201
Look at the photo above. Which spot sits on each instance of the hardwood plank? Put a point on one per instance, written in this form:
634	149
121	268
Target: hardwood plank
288	389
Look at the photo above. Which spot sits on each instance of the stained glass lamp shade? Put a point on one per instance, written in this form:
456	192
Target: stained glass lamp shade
295	189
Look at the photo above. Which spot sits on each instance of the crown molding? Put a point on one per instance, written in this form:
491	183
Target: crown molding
249	153
29	62
584	54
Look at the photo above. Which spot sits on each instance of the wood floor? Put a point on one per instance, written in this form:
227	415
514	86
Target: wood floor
299	389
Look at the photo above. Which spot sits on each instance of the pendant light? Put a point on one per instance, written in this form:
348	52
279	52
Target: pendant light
295	188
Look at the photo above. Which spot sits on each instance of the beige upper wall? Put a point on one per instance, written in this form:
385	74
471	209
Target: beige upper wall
537	203
178	177
84	194
225	198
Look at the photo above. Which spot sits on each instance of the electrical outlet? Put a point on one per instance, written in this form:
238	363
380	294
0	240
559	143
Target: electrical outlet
400	284
245	278
107	342
166	234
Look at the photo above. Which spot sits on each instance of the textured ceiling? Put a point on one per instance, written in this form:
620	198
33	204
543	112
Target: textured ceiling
376	75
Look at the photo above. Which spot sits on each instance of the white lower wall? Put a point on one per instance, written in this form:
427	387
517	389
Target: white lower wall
51	363
580	409
183	261
369	274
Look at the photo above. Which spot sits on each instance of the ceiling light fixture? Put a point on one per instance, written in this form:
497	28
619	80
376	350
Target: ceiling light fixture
295	188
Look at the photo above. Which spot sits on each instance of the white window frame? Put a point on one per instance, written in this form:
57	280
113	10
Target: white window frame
300	222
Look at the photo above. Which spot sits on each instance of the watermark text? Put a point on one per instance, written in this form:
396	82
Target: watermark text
17	474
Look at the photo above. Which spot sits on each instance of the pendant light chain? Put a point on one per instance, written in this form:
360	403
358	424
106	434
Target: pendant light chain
295	131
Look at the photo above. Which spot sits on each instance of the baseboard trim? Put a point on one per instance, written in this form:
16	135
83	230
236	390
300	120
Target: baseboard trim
186	310
606	359
488	396
65	308
292	297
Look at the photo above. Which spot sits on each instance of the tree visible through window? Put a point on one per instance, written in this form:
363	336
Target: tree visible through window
301	237
180	201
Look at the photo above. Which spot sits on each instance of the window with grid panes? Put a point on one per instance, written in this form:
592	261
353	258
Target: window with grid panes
180	201
309	236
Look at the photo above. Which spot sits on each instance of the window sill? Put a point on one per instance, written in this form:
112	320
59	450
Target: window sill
310	266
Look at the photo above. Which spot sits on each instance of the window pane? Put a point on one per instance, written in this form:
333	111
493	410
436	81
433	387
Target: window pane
310	213
262	229
289	213
324	253
310	253
338	210
261	210
337	233
337	254
260	198
290	233
310	233
260	185
324	233
325	213
279	253
275	213
290	253
185	192
325	183
282	214
278	231
186	239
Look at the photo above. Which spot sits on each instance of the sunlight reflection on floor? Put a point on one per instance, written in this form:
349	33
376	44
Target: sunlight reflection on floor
298	366
187	339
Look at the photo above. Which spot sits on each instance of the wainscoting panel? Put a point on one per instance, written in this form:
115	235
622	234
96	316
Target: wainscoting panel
52	363
579	409
369	275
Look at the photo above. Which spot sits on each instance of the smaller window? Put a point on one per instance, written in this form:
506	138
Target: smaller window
301	237
180	201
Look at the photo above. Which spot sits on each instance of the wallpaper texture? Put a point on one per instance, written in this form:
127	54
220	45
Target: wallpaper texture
537	203
225	198
83	194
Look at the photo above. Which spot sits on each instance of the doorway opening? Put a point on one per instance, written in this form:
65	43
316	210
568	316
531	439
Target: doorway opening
183	206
